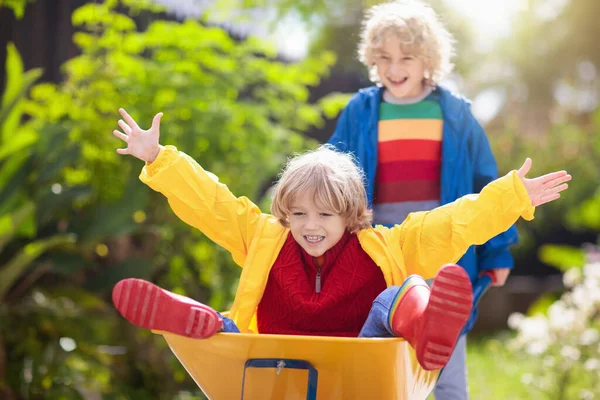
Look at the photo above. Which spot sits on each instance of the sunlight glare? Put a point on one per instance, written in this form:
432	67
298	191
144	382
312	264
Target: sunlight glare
490	19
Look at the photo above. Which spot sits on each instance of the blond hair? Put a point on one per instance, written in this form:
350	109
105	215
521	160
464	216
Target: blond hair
333	180
419	30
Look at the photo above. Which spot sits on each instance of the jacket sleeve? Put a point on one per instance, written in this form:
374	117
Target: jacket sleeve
495	252
338	139
433	238
343	135
198	199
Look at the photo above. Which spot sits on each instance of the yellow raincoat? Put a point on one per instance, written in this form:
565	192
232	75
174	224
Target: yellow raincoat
420	245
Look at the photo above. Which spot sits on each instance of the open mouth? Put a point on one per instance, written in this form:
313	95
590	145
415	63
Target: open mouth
398	81
314	239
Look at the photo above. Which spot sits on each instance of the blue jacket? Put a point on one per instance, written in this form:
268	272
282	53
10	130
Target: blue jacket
467	164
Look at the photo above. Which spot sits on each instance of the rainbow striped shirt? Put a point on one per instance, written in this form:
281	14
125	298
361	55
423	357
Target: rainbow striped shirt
409	153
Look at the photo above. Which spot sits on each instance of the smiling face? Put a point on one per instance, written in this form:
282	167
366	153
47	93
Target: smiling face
314	227
401	73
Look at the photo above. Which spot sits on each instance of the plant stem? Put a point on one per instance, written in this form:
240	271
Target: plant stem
562	385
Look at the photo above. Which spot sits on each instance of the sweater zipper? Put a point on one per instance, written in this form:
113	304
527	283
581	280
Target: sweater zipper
318	281
318	277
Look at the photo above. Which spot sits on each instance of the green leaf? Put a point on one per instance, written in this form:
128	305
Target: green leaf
116	218
18	83
19	142
587	215
11	271
542	304
10	223
12	176
562	257
333	103
18	6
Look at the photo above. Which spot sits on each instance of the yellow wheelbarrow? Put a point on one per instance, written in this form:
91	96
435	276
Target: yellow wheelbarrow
259	366
276	367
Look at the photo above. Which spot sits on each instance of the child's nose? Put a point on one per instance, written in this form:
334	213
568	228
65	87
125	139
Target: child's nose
312	224
395	67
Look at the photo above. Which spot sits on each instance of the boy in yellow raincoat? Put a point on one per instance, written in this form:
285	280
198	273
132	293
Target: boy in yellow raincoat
316	266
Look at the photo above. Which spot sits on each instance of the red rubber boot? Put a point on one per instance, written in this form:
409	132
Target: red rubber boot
148	306
432	320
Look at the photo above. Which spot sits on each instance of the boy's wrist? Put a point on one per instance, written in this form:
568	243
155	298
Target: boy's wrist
153	154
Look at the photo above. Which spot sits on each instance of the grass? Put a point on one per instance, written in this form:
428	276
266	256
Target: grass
496	373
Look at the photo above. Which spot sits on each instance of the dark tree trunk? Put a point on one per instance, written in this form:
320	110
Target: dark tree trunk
7	19
43	37
6	392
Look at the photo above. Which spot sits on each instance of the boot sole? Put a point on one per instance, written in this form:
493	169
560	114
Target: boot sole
148	306
447	312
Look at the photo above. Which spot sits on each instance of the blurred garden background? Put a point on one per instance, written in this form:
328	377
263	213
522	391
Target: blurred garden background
243	84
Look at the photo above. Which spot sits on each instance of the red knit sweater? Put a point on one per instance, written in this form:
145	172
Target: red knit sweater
350	281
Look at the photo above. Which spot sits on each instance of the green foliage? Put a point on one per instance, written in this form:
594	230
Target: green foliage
17	85
20	241
228	103
542	304
587	215
16	141
549	31
571	146
567	145
334	103
17	6
496	373
566	339
562	257
225	102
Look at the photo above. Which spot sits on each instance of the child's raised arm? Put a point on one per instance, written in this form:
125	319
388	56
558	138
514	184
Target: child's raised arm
195	195
431	239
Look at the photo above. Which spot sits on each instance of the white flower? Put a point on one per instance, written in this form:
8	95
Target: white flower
515	319
589	337
570	353
534	334
592	364
558	316
592	270
536	348
535	327
580	297
572	277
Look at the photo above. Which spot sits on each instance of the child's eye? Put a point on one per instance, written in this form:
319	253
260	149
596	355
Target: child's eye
298	214
408	58
326	215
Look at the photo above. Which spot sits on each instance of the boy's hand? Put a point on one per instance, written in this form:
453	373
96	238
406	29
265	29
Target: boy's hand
500	276
140	143
545	188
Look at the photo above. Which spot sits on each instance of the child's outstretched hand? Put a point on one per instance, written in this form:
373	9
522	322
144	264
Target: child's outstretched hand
545	188
142	144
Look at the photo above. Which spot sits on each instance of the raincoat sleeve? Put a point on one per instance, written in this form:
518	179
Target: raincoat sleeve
198	199
440	236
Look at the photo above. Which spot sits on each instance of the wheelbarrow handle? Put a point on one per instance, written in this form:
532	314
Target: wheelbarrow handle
482	285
